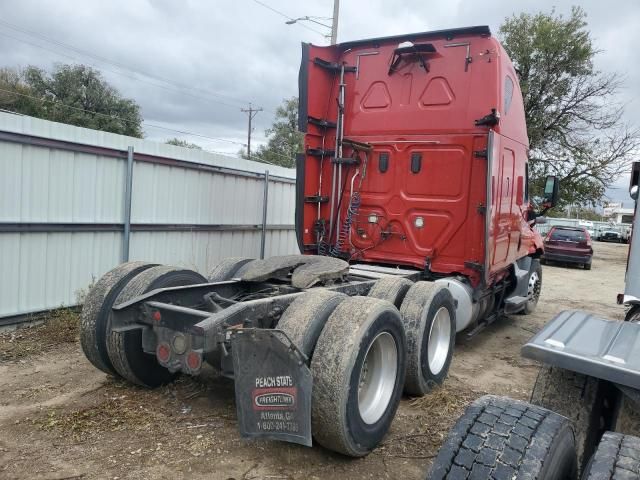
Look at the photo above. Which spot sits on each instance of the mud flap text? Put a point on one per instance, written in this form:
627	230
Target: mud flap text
273	387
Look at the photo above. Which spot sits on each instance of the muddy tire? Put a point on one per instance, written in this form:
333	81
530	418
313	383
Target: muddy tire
94	321
125	348
227	268
616	458
503	439
429	318
533	289
305	318
358	367
391	289
578	397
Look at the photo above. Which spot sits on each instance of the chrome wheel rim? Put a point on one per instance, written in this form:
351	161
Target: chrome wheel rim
533	290
377	378
439	340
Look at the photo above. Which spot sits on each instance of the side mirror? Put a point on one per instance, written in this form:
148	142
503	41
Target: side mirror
635	180
551	191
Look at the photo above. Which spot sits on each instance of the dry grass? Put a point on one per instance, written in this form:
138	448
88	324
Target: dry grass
121	406
443	405
58	327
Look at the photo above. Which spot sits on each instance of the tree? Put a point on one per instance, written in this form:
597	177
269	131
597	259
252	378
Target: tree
73	94
284	139
574	123
178	142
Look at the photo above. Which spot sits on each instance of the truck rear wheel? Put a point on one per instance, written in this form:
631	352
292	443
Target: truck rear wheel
578	397
305	318
358	367
392	289
429	318
94	321
617	457
502	439
227	268
125	348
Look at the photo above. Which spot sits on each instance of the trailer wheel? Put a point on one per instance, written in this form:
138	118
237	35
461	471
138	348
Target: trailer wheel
227	268
578	397
94	321
429	317
358	367
392	289
125	348
502	438
305	318
617	457
533	289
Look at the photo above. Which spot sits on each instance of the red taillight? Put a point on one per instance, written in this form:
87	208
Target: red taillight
157	316
194	360
163	352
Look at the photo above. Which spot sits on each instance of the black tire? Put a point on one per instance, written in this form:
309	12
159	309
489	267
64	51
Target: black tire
305	318
533	292
633	314
616	458
94	320
391	289
345	342
125	348
578	397
227	268
503	439
543	261
422	303
587	266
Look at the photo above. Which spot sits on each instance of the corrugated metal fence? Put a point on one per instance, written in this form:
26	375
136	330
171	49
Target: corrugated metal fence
76	202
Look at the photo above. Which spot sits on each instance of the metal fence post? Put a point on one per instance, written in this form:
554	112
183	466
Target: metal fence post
264	213
128	186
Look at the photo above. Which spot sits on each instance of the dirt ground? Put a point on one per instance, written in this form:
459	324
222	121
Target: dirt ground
60	418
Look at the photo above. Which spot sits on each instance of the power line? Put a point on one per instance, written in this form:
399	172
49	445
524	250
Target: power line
112	117
100	58
284	15
165	87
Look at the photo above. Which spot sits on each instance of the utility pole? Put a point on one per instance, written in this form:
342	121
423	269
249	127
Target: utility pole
252	112
334	22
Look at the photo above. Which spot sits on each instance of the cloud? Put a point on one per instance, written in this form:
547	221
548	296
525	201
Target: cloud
229	53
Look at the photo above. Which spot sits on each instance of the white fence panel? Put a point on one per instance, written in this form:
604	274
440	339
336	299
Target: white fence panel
62	209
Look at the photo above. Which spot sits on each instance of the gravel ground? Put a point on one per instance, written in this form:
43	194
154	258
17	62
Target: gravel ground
61	418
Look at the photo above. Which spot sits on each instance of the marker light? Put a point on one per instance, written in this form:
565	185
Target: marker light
163	352
373	218
194	360
419	222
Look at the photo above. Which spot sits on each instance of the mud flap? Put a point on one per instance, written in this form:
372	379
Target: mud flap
273	387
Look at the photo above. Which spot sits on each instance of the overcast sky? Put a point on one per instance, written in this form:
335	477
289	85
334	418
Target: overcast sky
219	55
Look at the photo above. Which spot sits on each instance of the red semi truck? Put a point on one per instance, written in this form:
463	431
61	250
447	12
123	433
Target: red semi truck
414	222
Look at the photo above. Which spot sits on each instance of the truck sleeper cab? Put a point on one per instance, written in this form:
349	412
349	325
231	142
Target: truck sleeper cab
416	155
413	218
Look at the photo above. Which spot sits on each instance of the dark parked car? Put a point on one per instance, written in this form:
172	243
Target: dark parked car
568	245
610	236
